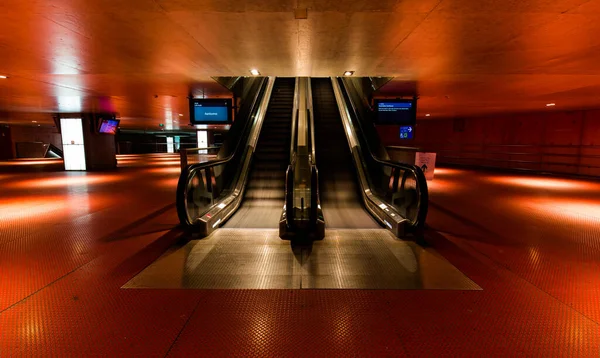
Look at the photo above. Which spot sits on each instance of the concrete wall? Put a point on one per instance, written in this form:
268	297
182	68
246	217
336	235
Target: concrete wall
558	142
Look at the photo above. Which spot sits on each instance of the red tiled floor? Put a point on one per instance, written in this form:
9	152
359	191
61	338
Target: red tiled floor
60	279
533	227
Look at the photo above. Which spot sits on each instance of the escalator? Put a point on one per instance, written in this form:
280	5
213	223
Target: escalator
339	190
265	190
266	175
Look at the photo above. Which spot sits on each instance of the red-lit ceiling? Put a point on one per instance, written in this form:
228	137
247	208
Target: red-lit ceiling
141	58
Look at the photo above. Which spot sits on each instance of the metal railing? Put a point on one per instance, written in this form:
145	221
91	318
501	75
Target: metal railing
395	193
208	193
530	155
184	154
316	214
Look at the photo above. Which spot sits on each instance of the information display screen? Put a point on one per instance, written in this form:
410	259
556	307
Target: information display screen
108	126
210	111
407	132
396	112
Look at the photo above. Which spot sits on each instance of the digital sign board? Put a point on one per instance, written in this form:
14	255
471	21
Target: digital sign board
396	112
210	111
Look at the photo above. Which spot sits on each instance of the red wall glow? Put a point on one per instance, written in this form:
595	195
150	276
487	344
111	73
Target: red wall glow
550	141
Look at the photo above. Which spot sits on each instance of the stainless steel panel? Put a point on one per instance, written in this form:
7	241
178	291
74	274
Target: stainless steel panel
258	259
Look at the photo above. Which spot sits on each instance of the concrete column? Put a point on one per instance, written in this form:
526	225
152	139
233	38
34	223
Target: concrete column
84	148
100	149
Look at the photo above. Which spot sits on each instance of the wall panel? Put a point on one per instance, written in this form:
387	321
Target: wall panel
559	142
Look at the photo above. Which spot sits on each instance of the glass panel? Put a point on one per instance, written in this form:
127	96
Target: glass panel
403	193
199	198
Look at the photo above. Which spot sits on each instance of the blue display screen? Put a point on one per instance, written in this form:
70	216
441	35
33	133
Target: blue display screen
398	112
210	114
407	132
394	106
210	111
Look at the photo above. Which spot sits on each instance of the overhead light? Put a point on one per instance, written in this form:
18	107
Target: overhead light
428	115
550	104
33	121
3	77
180	115
348	73
254	72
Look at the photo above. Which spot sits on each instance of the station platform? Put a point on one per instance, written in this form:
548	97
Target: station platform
94	264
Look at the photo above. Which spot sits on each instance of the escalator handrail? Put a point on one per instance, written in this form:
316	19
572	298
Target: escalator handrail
314	183
377	159
289	176
215	162
311	122
414	169
295	113
186	173
301	160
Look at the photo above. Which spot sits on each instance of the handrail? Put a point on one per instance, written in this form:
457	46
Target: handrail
572	156
286	223
300	215
399	147
594	156
311	123
288	209
215	162
418	174
183	154
295	111
207	217
369	150
574	146
197	149
316	213
416	170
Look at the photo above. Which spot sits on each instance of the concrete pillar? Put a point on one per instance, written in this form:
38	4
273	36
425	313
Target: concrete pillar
84	148
100	149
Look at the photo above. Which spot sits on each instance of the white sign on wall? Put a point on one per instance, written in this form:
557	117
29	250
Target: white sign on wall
170	146
426	161
202	141
73	147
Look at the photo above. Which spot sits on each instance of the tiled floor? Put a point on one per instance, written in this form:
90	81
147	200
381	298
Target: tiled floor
70	241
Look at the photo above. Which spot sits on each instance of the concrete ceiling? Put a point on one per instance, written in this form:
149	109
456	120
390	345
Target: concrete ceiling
141	58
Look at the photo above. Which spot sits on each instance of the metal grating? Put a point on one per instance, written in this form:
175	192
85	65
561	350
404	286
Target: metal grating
258	259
